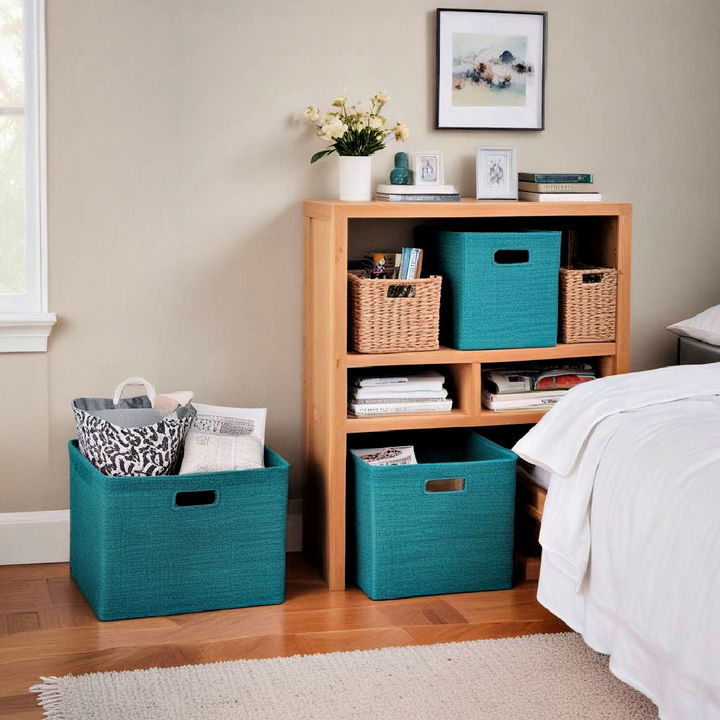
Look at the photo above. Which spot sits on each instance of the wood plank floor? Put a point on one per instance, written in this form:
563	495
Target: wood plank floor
47	628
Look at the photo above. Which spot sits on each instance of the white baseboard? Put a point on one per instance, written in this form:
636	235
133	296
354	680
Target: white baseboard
44	536
34	537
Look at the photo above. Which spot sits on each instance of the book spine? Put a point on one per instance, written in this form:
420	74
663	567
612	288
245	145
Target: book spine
556	177
559	197
556	187
520	404
412	264
374	382
407	256
418	198
400	409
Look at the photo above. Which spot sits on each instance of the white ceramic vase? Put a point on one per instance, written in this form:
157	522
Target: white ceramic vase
355	177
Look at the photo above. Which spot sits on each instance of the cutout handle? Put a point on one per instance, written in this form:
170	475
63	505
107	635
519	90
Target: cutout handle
511	257
443	485
592	277
192	498
401	291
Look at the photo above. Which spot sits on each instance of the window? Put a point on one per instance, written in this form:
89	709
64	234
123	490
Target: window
24	320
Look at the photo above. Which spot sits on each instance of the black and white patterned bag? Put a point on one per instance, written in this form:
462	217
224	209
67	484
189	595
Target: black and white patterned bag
130	437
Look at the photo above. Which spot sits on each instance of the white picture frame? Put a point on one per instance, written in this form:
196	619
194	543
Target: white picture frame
496	173
428	168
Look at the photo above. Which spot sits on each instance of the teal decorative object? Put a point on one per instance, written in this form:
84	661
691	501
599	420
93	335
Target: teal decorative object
413	540
500	290
142	546
401	175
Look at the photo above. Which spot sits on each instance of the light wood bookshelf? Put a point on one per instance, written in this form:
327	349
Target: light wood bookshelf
331	228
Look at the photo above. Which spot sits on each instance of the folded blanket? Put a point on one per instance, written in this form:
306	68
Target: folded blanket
556	441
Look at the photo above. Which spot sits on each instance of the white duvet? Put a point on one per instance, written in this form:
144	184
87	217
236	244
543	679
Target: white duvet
631	528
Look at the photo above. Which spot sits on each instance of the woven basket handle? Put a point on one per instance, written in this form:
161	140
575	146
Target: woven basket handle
149	389
592	278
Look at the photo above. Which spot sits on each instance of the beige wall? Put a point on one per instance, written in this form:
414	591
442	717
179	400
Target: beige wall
176	173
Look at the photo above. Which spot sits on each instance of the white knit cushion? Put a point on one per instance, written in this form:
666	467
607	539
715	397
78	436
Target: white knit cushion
704	326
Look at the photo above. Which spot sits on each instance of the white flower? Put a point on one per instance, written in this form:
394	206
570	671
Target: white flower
380	98
311	115
401	131
333	130
339	101
359	121
376	122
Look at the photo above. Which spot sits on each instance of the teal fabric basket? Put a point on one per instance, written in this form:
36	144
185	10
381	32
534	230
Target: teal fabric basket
412	539
500	290
177	543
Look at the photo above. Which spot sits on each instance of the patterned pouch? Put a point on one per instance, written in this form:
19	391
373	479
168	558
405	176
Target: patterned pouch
130	437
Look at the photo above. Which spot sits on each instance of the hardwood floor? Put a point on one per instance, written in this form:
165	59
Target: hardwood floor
47	628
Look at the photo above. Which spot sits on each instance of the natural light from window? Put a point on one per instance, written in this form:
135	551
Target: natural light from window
25	322
12	150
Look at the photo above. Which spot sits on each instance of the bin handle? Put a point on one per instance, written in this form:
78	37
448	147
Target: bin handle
445	485
149	389
507	256
195	498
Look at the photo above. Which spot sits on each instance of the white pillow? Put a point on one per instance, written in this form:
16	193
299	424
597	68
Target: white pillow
704	326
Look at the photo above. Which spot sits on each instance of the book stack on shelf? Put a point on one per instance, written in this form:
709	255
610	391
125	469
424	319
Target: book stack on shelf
557	187
531	387
393	393
417	193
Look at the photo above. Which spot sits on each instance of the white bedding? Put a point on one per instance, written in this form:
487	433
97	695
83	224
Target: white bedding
631	528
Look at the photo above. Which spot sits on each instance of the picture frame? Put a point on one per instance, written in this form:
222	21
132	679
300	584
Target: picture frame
427	168
490	68
496	173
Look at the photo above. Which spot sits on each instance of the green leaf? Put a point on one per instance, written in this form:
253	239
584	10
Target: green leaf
319	155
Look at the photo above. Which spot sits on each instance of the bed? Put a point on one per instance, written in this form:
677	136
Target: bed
693	352
631	528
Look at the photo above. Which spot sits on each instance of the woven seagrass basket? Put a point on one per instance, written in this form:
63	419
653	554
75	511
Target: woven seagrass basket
393	315
588	299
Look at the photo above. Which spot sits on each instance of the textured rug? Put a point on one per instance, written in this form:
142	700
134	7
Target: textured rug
553	677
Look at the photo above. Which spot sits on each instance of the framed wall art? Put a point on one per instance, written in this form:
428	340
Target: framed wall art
496	174
490	69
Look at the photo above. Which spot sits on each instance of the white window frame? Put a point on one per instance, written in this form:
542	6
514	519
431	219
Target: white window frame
25	322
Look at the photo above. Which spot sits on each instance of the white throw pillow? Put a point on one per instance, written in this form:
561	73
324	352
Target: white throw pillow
704	326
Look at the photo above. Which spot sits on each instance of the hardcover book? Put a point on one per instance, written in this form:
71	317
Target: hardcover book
556	177
556	187
559	197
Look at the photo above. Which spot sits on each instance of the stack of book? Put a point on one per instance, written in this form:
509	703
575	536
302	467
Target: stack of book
393	393
531	387
417	193
557	187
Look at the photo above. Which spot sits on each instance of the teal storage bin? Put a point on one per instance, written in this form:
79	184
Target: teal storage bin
177	543
500	290
418	536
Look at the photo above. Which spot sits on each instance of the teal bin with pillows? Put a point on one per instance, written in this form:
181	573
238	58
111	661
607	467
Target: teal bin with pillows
143	546
500	289
444	525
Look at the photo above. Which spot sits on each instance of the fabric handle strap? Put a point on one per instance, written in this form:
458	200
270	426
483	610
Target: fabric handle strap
149	389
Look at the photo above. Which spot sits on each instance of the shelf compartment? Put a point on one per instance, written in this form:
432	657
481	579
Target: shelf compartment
445	355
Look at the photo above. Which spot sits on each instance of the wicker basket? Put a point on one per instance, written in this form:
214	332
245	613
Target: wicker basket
588	298
393	315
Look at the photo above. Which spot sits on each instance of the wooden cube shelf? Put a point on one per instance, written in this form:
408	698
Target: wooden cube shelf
330	228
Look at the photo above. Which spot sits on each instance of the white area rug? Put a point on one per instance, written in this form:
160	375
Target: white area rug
536	677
